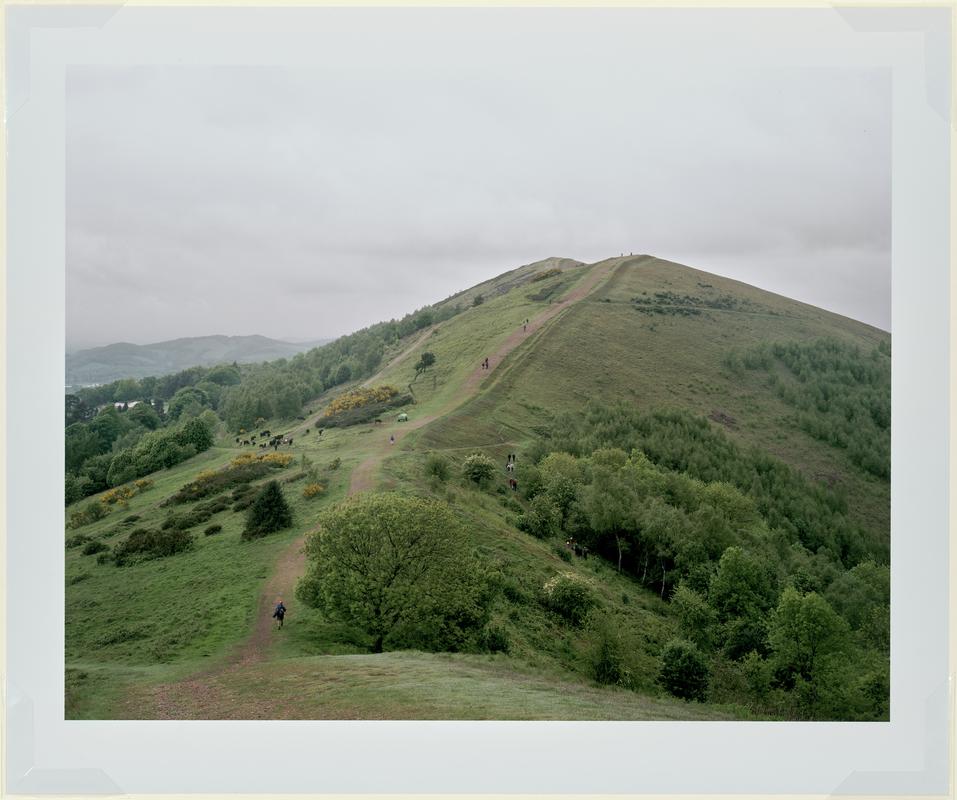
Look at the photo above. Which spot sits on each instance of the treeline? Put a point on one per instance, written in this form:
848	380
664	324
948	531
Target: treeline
842	395
239	395
770	615
134	451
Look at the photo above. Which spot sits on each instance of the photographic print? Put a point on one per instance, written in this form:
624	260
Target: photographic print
494	365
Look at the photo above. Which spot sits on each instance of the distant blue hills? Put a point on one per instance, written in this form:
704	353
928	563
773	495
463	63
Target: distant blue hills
124	360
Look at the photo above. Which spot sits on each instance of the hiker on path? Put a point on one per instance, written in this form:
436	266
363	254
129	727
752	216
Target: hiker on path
525	327
391	438
280	612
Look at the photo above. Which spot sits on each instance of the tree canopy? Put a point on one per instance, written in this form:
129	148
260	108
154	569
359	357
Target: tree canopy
400	569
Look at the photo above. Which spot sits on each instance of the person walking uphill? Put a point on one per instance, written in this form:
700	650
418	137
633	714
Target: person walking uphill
280	612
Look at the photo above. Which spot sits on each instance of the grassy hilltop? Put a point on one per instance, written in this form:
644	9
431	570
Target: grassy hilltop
694	393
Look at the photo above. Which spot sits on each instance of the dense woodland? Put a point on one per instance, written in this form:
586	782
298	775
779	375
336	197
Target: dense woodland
783	601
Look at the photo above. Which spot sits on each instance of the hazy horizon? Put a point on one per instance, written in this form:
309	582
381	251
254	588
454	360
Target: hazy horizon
308	201
301	339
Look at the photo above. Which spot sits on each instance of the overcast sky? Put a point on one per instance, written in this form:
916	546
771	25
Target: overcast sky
424	152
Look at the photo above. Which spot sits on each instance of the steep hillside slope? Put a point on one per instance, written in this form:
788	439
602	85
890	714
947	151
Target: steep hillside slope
559	336
663	335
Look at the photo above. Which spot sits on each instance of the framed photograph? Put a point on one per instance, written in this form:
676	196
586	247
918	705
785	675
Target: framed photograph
478	400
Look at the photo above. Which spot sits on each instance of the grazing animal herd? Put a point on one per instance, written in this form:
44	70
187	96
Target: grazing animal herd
271	441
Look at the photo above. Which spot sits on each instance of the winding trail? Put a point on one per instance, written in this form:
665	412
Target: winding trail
291	564
292	561
363	476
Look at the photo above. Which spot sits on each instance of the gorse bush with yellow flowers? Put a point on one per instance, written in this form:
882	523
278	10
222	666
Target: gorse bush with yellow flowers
103	505
241	470
357	398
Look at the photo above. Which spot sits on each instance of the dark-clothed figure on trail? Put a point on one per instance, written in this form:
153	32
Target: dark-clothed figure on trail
280	612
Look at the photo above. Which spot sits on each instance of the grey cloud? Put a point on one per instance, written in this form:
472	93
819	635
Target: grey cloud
426	151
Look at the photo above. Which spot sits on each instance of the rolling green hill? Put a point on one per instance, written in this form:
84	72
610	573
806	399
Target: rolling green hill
124	360
633	354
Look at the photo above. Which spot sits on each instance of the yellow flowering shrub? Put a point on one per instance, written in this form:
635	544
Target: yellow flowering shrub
273	459
360	397
118	495
313	490
279	459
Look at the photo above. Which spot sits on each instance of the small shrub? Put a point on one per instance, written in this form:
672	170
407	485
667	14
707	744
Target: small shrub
120	635
606	653
478	300
684	670
478	468
76	540
104	558
335	464
89	513
179	522
144	543
568	596
513	591
241	470
142	484
120	495
276	459
214	506
212	529
562	552
511	504
313	490
494	639
92	548
437	466
78	578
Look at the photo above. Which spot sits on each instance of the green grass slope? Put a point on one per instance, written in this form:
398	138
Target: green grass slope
607	349
159	639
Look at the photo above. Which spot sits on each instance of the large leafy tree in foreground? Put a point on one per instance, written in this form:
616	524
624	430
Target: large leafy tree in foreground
400	569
